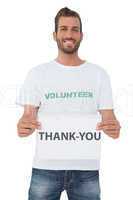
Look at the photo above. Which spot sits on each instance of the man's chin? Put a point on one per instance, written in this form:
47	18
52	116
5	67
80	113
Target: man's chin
69	50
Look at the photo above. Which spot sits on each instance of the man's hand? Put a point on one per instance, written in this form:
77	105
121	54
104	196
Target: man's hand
27	126
110	127
28	123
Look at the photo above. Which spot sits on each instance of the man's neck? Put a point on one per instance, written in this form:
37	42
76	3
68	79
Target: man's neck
68	59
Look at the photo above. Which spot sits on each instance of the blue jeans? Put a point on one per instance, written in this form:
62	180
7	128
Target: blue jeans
48	184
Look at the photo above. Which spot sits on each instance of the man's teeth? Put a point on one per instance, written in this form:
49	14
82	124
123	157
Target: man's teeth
68	41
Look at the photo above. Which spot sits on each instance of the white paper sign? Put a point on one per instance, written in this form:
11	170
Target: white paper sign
68	137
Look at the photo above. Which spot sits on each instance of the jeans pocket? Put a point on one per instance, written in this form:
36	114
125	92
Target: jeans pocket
45	174
88	175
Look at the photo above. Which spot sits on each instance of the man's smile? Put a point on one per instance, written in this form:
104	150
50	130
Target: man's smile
68	41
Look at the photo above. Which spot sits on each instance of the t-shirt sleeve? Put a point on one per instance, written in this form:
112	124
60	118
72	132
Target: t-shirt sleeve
29	91
105	98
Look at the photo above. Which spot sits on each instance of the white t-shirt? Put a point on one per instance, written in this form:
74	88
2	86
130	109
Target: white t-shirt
69	98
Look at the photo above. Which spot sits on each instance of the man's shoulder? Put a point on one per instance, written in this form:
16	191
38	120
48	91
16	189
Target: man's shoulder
97	68
40	68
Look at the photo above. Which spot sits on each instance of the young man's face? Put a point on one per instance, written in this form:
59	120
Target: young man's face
68	36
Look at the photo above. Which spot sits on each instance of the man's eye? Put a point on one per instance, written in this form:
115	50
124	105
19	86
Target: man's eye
63	29
76	30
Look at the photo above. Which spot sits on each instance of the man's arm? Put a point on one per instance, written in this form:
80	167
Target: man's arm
110	125
28	123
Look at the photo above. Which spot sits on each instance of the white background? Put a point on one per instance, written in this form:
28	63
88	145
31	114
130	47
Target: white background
25	41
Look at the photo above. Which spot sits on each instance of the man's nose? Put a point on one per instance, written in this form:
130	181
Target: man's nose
69	34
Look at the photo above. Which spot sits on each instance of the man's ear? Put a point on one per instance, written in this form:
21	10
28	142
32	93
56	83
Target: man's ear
54	35
82	36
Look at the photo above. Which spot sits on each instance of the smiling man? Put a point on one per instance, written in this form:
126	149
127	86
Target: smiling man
66	94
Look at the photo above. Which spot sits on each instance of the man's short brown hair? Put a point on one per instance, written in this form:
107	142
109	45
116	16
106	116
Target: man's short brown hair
66	12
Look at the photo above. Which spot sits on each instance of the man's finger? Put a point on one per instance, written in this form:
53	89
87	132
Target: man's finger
112	133
30	121
110	129
24	132
27	125
108	122
110	126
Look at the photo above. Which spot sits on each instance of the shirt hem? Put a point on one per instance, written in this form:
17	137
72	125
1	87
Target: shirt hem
81	164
